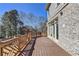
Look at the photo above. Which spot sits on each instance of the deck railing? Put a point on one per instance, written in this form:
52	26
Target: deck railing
14	46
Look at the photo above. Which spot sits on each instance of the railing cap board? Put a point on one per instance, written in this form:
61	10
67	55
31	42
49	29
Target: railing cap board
7	42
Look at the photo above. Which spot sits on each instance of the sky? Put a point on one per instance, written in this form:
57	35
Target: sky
37	9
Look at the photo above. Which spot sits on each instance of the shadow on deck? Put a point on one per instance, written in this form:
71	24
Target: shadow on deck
28	50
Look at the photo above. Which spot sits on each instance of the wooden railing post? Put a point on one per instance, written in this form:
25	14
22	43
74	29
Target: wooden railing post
0	51
30	36
18	39
19	44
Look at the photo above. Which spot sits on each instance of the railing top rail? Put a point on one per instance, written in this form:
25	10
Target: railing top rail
7	42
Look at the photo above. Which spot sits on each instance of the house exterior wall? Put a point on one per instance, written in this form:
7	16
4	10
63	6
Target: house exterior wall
51	11
68	26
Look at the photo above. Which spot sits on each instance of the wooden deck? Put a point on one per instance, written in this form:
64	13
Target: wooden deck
46	47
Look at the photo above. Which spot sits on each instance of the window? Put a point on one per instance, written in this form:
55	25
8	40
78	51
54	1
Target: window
55	28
